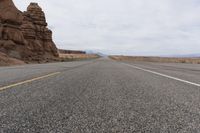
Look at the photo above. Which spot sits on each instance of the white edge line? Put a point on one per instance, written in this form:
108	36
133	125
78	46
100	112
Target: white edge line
163	75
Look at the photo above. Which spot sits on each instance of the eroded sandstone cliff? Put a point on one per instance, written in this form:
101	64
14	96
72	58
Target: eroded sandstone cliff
24	35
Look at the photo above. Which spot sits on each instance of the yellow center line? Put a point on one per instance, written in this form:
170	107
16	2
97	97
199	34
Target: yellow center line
28	81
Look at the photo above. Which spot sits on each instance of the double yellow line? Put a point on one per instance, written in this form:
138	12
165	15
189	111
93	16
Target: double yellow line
28	81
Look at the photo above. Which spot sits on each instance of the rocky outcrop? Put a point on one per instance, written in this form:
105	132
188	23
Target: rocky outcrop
35	31
25	35
11	37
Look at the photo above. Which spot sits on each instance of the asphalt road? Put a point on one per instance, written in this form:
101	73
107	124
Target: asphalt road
100	96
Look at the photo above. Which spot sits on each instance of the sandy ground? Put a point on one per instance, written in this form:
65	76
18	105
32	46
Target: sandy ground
157	59
78	56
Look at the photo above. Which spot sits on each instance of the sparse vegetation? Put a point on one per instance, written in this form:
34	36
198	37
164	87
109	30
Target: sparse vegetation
156	59
72	57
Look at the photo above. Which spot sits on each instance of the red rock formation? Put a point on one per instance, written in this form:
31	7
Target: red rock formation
25	35
35	30
10	32
5	60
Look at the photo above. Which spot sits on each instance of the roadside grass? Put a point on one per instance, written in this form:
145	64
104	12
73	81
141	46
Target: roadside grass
77	57
156	59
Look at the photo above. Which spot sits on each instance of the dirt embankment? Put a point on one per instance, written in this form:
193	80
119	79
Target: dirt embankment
5	60
156	59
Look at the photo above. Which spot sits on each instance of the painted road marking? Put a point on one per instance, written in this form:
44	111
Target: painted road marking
28	81
163	75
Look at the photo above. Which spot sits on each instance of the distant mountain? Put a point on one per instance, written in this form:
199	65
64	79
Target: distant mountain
102	55
93	52
193	55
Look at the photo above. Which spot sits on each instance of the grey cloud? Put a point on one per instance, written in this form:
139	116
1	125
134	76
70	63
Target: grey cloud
136	27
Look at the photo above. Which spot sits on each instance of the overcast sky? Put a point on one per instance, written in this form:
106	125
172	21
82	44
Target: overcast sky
134	27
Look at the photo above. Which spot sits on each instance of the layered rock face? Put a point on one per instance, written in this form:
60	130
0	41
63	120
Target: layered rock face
25	35
35	31
10	32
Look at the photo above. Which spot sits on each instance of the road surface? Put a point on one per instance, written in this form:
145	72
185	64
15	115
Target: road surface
100	96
